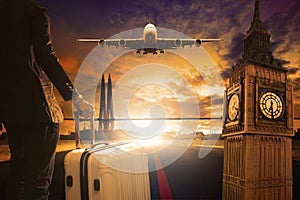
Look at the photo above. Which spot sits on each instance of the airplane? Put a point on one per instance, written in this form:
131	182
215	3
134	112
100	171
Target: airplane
150	43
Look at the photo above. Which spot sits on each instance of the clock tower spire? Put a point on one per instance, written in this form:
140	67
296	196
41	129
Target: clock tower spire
256	12
257	45
256	22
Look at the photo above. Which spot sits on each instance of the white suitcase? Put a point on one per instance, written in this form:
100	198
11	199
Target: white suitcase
105	172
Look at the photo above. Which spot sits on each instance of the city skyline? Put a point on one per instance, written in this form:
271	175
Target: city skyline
227	19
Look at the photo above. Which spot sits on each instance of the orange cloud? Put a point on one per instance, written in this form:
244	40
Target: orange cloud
70	65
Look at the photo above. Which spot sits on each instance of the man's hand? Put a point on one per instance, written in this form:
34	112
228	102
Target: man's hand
85	109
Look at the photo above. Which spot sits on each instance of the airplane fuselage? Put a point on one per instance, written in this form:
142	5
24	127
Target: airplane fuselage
150	35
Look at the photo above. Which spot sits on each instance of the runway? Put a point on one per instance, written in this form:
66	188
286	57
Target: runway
189	178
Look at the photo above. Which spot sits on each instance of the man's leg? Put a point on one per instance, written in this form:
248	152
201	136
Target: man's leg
39	144
39	157
15	186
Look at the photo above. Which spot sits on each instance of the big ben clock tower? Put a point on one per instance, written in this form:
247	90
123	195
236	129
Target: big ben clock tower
259	123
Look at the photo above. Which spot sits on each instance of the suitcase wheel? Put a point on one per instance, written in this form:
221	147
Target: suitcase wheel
97	185
69	181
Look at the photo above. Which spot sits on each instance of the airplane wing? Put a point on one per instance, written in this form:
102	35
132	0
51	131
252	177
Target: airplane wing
125	43
166	43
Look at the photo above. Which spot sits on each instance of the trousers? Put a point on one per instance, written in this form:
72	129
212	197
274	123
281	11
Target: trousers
32	147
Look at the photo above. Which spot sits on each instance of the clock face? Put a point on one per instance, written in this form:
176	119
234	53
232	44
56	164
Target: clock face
233	107
271	105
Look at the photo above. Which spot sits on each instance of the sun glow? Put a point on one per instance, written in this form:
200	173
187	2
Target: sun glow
142	123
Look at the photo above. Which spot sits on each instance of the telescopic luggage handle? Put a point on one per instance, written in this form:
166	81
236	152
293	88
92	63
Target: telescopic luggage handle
77	139
92	120
92	134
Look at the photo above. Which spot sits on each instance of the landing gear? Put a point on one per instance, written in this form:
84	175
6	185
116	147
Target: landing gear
150	51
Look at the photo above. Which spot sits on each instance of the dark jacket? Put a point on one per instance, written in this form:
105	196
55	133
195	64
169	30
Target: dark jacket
28	65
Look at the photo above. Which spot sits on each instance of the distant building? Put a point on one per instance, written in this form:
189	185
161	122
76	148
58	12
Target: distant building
199	135
70	136
106	105
297	134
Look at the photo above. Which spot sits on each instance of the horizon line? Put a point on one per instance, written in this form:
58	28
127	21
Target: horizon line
163	118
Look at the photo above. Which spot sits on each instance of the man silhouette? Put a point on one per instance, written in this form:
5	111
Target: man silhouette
28	108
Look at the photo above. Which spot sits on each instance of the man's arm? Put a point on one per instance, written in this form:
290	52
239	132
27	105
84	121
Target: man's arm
47	60
45	55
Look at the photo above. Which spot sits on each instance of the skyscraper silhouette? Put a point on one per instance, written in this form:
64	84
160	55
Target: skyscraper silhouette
106	105
102	114
109	108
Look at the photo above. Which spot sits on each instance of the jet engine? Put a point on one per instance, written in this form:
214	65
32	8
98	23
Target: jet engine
198	43
101	43
122	43
177	43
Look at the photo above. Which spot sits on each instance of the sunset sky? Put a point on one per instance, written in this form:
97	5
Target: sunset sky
226	19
